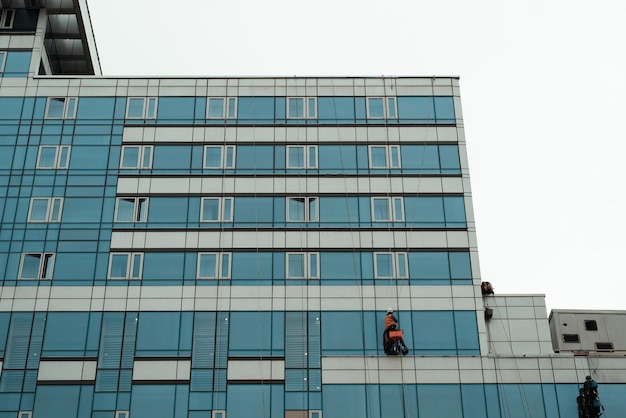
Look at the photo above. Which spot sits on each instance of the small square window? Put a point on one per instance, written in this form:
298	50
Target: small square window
136	156
302	156
126	266
222	108
301	108
61	108
122	414
571	338
608	347
303	265
131	209
218	414
391	266
219	157
45	209
315	414
7	16
384	156
53	157
141	108
302	209
214	265
591	325
387	209
37	266
25	414
216	209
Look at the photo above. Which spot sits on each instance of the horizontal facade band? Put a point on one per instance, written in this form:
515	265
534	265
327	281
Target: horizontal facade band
546	369
237	298
304	240
66	371
162	370
292	134
255	370
340	185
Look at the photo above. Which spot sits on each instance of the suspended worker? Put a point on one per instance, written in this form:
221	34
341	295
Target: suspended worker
588	401
486	288
391	323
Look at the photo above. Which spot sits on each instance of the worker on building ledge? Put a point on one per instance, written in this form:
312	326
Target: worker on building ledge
391	324
486	288
588	401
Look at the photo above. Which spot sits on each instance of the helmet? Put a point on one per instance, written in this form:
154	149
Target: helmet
588	378
389	310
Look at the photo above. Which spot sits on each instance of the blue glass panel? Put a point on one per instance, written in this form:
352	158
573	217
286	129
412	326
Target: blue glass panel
82	209
392	402
525	399
416	109
75	266
149	401
158	334
96	108
335	109
163	266
253	210
342	333
566	396
66	333
429	265
89	157
433	332
337	158
444	109
346	401
466	330
65	398
454	207
172	158
423	158
424	211
449	155
135	107
339	210
549	400
252	267
439	401
340	266
167	210
375	107
4	330
216	108
255	158
244	401
250	333
460	267
260	109
11	107
17	64
176	109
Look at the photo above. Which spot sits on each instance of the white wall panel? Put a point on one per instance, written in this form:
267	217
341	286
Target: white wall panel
146	370
52	370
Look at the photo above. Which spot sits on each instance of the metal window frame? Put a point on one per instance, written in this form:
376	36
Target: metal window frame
118	414
306	107
307	265
307	210
225	107
140	157
395	265
49	208
3	17
25	414
218	265
57	157
223	157
136	214
66	107
130	264
221	206
41	266
145	108
222	412
307	152
3	60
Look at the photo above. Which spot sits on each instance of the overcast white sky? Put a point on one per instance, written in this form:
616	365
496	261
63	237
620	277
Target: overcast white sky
542	85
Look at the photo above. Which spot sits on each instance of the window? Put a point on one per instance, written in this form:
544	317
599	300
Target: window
131	209
128	266
45	209
61	108
604	347
218	107
219	156
36	266
136	156
302	209
591	325
387	209
384	156
216	209
141	108
214	265
381	108
571	338
122	414
53	156
303	265
315	414
25	414
3	58
6	19
301	108
391	266
218	414
302	156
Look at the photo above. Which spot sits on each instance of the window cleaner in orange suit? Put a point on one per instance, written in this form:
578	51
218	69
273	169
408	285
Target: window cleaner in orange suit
391	323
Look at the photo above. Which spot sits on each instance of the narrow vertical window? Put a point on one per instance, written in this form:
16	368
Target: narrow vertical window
392	109
36	266
214	265
131	209
61	108
219	156
53	157
126	266
7	17
302	265
45	209
301	156
141	108
136	156
216	209
301	108
302	209
391	266
3	56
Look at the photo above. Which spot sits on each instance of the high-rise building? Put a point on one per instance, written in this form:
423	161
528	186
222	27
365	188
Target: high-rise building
229	248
